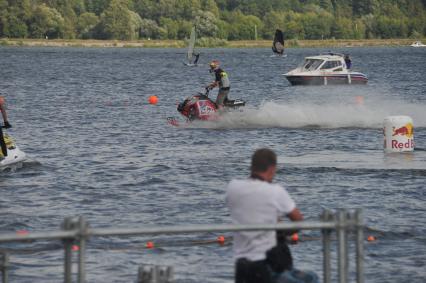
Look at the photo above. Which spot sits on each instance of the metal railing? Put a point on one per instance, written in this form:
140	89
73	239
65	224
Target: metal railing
76	230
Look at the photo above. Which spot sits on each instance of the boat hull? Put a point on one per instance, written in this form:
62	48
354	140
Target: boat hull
418	44
327	80
14	156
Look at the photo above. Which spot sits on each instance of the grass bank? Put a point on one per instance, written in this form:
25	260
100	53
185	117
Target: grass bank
92	43
324	43
205	43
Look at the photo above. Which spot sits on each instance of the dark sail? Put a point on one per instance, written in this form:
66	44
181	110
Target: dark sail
278	44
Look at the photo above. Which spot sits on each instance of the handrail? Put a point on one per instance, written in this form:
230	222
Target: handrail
62	235
211	228
76	229
28	236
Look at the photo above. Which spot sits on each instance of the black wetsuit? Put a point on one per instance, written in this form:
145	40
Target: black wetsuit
348	62
196	59
3	143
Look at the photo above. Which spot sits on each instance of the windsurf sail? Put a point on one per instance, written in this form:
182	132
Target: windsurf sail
191	44
278	44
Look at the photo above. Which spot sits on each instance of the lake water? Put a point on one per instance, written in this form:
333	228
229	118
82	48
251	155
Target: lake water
98	149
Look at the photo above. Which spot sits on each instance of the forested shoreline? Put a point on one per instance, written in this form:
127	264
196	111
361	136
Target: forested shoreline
215	20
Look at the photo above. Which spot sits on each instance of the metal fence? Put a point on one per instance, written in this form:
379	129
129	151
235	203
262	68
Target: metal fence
76	230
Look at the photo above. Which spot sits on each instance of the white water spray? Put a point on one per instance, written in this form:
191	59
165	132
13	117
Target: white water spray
354	113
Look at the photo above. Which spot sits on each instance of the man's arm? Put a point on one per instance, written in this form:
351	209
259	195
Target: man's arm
3	111
7	125
213	84
295	215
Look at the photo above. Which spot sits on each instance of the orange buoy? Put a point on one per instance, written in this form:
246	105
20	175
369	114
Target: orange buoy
153	99
295	238
359	100
22	232
221	240
149	245
371	238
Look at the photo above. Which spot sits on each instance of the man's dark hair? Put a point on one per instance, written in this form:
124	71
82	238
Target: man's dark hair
262	159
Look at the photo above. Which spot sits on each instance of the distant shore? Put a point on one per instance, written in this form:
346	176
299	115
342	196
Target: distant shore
181	43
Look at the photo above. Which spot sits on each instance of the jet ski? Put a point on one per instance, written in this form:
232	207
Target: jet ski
14	154
201	107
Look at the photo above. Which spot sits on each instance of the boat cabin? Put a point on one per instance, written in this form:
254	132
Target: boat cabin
330	63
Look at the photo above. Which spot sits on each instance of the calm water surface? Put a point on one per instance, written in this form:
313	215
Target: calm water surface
98	149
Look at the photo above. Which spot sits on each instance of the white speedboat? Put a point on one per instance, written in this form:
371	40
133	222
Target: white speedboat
418	44
14	154
325	69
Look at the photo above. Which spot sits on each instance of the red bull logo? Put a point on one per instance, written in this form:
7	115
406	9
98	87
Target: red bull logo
406	131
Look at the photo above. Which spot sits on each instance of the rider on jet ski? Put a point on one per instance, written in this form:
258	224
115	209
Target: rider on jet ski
221	80
6	126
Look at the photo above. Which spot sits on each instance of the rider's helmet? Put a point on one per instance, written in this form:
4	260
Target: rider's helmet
214	64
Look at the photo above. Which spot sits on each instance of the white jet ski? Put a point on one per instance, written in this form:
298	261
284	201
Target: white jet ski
14	154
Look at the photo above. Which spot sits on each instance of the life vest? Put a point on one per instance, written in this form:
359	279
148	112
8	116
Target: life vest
222	78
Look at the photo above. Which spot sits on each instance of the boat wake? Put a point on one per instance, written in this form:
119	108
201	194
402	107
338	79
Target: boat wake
353	114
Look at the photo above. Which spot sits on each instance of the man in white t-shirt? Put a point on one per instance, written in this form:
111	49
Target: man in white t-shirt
257	201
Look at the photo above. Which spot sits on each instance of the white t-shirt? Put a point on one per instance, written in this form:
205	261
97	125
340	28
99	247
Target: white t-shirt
256	202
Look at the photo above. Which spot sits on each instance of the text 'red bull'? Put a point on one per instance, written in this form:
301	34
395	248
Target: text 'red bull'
401	145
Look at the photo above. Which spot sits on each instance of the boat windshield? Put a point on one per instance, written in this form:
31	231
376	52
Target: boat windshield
331	65
312	64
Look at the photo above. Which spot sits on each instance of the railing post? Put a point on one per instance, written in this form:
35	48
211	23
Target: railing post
82	226
155	274
68	225
147	274
4	264
165	274
359	246
341	242
326	241
349	227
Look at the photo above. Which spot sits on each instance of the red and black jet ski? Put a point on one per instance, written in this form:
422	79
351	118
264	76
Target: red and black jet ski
201	107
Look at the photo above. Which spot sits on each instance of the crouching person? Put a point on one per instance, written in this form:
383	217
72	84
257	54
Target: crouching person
260	258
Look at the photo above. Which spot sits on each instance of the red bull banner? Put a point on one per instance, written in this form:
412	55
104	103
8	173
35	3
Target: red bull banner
398	134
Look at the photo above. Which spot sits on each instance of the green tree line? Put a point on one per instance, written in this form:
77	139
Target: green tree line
223	19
